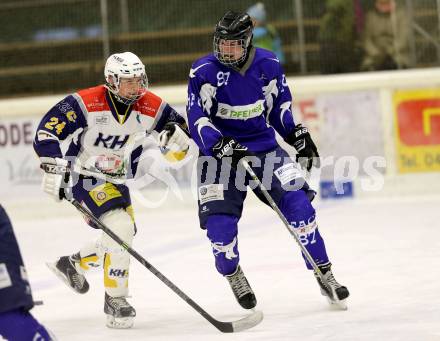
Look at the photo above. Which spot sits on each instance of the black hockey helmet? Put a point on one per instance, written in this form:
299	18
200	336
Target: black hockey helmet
236	28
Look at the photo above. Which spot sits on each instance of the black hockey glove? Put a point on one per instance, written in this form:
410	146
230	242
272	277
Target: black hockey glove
307	152
172	126
228	147
174	141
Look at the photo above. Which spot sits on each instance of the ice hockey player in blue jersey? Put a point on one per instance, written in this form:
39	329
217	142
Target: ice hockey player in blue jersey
105	127
16	321
237	98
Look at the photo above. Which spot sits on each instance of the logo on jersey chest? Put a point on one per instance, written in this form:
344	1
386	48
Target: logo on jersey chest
102	120
240	112
111	141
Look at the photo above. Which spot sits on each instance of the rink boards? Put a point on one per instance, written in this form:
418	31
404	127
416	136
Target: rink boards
377	133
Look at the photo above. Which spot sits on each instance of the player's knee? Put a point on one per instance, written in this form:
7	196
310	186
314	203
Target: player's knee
221	228
297	208
120	222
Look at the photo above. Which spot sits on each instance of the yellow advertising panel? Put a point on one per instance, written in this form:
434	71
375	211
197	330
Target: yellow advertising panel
417	130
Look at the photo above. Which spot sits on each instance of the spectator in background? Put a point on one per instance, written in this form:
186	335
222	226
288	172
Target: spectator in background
265	35
339	36
386	43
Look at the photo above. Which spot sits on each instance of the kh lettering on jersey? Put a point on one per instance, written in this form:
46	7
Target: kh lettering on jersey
248	104
118	273
111	141
103	142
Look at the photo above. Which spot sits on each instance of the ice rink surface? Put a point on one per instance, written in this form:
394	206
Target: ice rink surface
386	251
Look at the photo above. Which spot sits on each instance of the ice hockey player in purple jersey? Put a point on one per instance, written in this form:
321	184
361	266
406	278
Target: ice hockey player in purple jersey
105	127
237	98
16	321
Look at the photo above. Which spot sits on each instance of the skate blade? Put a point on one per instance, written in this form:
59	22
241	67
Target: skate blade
119	322
61	276
338	304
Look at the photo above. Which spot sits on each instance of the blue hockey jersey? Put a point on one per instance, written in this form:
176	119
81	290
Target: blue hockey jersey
247	104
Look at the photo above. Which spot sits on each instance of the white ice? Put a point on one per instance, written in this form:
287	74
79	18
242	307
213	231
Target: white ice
386	251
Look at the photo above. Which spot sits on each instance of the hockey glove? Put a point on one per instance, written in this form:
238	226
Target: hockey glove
173	142
307	155
56	174
228	147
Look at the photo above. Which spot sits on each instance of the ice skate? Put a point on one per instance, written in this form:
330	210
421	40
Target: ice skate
120	314
66	270
339	293
241	289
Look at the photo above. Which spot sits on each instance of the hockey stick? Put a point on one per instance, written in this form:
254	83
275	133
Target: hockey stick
225	327
287	225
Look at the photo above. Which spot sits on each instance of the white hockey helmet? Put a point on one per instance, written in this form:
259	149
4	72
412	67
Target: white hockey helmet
124	65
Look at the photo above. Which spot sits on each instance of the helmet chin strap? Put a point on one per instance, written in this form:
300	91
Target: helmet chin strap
125	100
120	99
114	92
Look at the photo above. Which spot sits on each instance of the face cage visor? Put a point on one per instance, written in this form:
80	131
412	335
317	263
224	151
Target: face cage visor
230	52
113	85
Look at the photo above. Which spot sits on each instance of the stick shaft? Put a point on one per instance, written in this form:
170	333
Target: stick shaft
225	327
284	220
